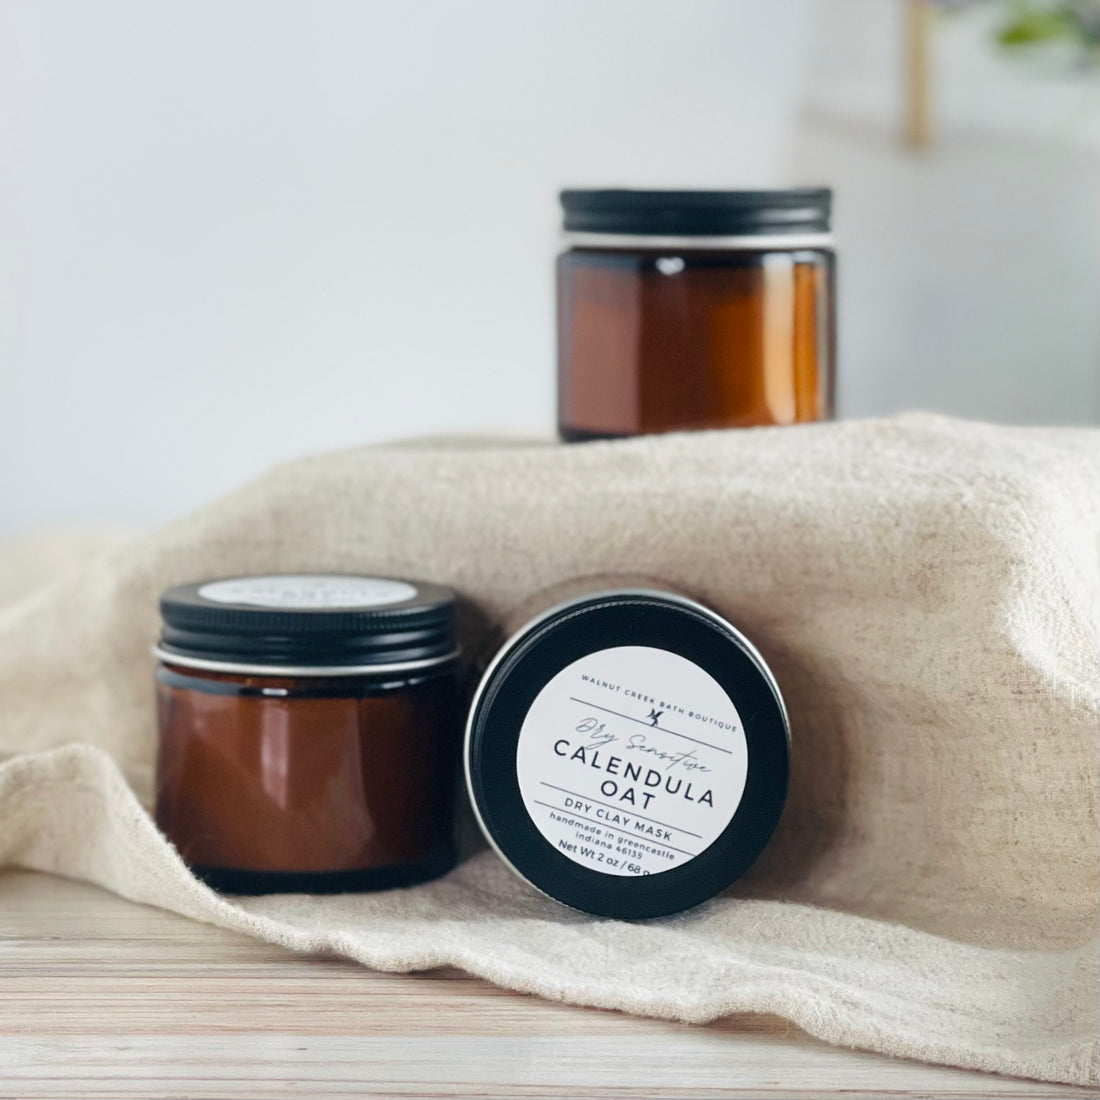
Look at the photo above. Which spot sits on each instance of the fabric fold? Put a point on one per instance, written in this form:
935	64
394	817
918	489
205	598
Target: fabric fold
927	593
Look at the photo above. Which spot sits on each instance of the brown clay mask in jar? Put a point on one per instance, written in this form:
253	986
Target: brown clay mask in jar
309	731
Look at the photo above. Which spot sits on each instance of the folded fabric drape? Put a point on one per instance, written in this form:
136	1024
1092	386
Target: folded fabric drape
927	592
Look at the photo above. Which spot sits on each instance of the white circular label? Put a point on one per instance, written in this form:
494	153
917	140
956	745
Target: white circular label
306	592
632	760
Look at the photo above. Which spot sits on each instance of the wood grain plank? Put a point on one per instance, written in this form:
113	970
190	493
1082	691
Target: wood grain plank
103	998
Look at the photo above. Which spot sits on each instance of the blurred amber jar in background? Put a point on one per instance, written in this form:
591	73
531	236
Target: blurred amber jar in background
682	310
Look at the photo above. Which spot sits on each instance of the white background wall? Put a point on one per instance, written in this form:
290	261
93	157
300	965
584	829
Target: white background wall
235	230
970	270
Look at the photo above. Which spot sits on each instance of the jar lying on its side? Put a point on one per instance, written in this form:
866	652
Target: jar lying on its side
309	732
627	753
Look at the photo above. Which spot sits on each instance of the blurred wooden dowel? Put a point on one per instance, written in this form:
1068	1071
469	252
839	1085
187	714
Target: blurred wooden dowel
917	92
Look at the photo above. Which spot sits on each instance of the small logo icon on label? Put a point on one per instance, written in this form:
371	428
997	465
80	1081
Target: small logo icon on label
654	716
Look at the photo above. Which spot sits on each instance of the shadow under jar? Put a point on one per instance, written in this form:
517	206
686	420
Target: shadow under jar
689	310
310	732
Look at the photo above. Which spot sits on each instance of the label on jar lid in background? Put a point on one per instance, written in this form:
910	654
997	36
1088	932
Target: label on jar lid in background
308	592
632	760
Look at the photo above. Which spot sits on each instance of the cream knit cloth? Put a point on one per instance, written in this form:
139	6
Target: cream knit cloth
928	595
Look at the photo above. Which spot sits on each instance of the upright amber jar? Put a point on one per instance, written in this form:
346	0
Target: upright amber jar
309	732
686	310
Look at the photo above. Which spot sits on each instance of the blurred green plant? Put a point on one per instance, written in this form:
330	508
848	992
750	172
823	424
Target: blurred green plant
1075	23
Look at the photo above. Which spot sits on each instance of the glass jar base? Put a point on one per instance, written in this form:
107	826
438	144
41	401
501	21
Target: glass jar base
582	435
232	880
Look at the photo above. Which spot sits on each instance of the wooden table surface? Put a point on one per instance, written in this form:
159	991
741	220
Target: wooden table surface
100	997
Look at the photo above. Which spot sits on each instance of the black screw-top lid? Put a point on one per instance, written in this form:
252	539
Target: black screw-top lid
307	623
609	683
698	213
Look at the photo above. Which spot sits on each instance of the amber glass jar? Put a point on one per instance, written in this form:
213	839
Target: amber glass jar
682	310
309	732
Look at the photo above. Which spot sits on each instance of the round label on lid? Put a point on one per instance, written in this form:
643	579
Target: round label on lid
308	592
632	760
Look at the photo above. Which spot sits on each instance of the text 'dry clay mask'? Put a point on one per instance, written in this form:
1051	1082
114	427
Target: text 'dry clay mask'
627	753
